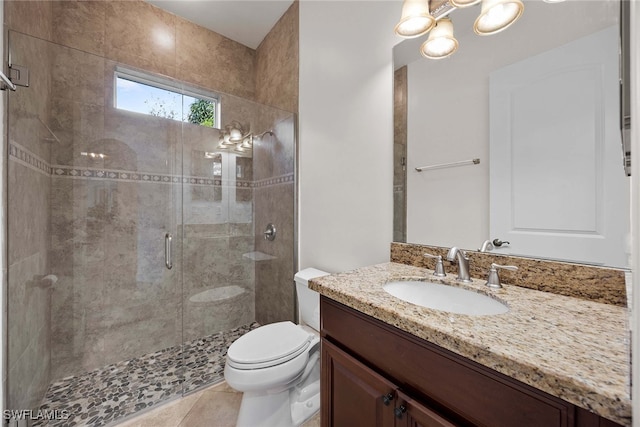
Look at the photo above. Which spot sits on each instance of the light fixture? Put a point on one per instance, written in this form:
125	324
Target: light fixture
496	15
415	20
441	42
235	132
463	3
234	136
247	142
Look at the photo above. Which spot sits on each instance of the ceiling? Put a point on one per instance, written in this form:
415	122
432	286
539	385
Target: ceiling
245	21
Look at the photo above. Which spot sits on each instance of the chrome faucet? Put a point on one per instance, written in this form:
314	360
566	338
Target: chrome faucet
438	270
486	246
463	263
493	280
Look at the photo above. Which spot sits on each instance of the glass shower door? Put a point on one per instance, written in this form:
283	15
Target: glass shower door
95	314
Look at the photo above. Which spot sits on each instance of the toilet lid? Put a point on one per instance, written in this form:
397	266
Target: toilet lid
270	344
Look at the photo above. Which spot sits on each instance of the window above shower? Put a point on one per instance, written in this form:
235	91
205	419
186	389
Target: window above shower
155	96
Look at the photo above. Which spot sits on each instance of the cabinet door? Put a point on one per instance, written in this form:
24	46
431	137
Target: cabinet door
410	413
352	394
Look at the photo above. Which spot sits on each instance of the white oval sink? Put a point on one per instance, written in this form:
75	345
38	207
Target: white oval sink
445	298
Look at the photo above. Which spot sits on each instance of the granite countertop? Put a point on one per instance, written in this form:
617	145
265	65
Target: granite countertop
571	348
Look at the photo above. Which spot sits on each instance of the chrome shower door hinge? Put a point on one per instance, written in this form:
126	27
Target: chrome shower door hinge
19	75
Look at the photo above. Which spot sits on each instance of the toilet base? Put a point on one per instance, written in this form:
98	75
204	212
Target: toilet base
287	408
265	410
276	410
305	402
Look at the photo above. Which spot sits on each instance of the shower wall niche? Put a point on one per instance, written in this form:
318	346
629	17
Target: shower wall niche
94	191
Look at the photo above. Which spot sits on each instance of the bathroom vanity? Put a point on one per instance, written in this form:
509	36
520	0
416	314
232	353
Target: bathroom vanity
550	361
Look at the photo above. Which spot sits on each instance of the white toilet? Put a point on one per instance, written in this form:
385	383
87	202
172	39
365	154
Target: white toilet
277	366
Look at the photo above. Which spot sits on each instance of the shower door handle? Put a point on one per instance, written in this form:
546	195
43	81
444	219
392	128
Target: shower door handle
168	259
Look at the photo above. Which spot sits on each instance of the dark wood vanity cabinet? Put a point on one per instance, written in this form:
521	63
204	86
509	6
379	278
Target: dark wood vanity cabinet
358	396
376	375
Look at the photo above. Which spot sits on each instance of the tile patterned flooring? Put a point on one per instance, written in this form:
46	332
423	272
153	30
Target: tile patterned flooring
117	391
216	406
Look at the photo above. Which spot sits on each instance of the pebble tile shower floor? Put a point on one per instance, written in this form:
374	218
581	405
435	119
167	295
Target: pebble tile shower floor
100	397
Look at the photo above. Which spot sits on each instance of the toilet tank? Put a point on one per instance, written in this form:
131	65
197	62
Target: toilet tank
308	300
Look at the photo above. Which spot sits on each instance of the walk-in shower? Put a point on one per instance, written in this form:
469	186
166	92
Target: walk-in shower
135	234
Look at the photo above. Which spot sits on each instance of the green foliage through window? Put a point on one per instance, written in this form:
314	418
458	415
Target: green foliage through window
202	112
150	95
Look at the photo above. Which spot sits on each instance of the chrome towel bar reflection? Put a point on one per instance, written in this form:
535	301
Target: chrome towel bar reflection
449	165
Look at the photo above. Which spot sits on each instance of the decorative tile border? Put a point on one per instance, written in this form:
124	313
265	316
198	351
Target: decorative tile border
26	158
133	176
282	179
23	156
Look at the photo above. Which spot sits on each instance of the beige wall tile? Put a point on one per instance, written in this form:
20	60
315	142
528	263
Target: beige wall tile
79	24
202	319
400	153
277	63
30	17
211	60
275	300
28	108
141	35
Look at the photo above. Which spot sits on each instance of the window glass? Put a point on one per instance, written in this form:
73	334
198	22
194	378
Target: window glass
160	100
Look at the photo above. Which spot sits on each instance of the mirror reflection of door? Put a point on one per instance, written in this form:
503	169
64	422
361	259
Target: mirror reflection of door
558	187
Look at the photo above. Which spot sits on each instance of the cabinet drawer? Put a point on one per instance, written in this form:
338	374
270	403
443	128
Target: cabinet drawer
460	386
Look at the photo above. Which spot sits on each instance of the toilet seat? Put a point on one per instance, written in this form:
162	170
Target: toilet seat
268	346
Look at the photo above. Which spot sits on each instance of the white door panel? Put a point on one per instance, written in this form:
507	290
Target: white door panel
558	188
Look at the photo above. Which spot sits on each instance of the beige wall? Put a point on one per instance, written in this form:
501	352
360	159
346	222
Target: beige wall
346	133
277	63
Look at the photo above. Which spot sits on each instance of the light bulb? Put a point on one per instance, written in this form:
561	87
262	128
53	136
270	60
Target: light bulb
497	15
441	42
416	19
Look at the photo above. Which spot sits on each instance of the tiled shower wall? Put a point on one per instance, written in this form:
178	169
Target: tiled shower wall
28	302
274	159
274	203
141	35
107	304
